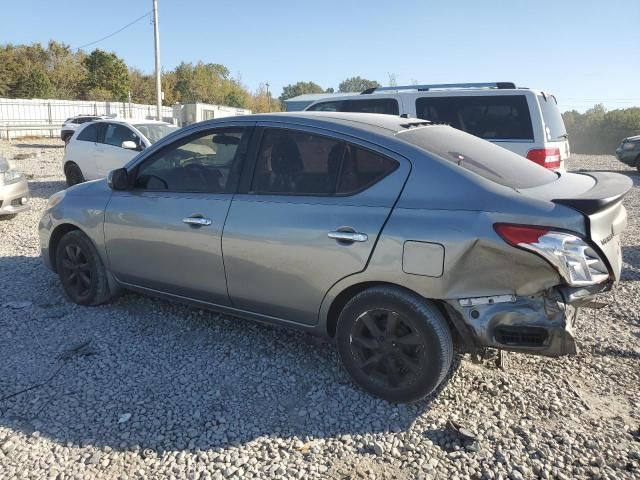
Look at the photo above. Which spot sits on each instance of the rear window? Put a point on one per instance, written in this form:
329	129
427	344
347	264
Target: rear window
495	117
478	156
388	106
553	124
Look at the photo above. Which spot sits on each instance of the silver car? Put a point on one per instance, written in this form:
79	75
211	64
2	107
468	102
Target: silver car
14	190
395	236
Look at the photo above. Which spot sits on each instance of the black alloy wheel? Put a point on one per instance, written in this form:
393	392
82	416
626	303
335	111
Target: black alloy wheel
76	271
81	270
388	349
395	344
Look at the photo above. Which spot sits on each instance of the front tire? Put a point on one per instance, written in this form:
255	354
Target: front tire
82	273
73	174
394	344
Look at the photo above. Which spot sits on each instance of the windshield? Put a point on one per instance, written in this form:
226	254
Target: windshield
553	123
155	131
479	156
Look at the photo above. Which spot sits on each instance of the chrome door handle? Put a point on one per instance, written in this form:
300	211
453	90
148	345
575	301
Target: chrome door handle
348	236
197	221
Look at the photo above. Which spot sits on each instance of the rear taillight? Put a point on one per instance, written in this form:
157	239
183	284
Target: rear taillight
577	263
547	157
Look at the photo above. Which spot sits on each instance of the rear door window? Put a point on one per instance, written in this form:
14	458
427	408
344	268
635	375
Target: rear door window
554	128
497	117
482	158
89	133
299	163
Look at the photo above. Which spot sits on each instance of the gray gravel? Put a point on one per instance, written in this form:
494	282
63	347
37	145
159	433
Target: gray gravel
143	388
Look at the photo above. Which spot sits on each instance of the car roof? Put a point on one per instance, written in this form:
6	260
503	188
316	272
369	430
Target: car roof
380	123
132	122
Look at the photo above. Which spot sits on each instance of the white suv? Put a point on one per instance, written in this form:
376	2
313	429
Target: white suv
525	121
71	124
98	147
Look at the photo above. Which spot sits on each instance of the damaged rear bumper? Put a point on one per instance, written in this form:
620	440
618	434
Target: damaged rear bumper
540	324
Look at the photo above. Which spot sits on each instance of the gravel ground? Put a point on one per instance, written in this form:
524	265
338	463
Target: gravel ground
143	388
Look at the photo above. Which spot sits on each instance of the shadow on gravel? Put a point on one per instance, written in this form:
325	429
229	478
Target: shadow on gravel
39	145
616	352
140	373
44	189
631	256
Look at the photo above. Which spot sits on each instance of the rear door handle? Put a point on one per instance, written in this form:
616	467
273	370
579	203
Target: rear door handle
197	221
348	236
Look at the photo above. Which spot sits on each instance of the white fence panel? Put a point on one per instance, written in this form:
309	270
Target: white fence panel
41	112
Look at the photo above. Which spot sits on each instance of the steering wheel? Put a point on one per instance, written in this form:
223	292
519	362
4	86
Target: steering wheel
198	169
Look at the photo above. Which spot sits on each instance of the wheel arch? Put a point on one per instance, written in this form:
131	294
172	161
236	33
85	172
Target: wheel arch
56	235
68	163
54	239
458	330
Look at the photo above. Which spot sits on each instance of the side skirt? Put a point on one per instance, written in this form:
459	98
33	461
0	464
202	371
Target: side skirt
256	317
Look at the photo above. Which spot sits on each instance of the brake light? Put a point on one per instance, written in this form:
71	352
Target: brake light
516	234
547	157
574	259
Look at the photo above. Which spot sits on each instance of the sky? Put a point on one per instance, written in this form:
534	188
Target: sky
585	52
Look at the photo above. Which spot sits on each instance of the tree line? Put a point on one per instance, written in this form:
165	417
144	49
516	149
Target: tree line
57	71
599	131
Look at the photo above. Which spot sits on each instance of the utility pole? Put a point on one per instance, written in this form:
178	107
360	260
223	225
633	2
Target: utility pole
268	96
156	35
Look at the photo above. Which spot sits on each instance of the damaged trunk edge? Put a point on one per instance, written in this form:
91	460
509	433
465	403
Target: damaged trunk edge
540	324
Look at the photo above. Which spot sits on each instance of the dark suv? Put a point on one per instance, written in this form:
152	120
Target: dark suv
629	151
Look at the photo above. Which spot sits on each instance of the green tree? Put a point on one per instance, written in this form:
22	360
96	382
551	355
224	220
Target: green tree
299	88
142	87
357	84
106	72
65	70
34	84
262	102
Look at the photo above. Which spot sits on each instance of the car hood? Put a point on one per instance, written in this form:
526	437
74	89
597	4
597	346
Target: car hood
91	188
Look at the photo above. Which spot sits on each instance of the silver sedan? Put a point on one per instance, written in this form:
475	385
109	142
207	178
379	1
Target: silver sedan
14	190
394	236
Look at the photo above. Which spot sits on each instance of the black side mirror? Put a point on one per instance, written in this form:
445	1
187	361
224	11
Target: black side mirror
118	179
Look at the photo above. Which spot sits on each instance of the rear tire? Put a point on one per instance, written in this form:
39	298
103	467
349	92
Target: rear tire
638	163
73	174
82	273
394	344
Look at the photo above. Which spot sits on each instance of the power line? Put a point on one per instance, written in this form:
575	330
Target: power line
117	31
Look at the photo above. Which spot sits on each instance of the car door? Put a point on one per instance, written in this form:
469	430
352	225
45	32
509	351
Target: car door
83	150
309	216
164	233
112	155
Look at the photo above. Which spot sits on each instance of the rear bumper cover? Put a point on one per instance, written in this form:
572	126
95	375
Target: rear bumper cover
539	325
